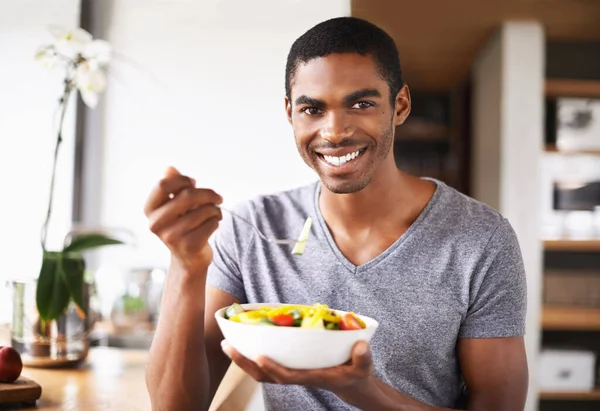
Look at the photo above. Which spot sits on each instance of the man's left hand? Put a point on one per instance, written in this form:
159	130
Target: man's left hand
338	379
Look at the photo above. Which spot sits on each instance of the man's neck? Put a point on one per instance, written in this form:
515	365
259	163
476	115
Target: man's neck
391	199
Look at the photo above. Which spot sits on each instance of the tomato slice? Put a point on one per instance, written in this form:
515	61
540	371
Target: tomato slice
283	320
350	322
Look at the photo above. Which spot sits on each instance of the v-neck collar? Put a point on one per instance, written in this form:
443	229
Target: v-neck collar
366	266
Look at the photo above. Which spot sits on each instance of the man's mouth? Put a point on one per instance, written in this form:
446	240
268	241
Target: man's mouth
337	161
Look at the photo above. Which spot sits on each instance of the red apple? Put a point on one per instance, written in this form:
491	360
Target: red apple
11	364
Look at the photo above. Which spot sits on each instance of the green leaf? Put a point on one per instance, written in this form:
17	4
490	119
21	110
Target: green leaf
86	241
73	270
52	294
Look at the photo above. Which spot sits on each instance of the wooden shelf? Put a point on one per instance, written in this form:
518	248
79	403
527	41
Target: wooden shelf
551	148
571	396
572	88
572	245
570	318
423	129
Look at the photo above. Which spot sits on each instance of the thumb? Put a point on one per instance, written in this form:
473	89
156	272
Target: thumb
361	356
172	172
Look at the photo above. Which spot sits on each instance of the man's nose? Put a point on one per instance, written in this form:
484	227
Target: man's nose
336	127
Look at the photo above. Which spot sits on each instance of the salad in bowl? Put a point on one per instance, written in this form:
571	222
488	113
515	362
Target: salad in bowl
318	316
295	336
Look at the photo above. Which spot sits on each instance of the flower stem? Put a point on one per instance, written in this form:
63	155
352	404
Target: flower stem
64	102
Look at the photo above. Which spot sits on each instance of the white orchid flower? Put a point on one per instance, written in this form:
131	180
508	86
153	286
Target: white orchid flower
47	56
70	42
98	51
90	80
84	58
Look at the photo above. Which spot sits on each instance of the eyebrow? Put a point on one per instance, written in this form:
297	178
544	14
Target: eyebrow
360	94
350	98
310	101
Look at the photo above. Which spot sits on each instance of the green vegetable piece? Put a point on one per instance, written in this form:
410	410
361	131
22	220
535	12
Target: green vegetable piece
301	244
233	310
297	316
266	321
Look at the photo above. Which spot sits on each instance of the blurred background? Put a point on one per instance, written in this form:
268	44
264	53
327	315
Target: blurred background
506	108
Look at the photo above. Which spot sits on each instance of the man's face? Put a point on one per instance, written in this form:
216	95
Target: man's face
343	120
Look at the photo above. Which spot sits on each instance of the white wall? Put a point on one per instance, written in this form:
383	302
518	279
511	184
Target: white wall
201	88
507	146
205	94
28	101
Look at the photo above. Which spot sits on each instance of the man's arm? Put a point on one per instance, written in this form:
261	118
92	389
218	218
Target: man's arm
185	364
218	363
495	371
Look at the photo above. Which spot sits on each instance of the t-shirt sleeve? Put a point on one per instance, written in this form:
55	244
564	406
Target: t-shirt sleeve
224	272
498	290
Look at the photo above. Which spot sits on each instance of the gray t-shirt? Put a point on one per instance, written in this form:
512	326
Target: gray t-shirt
456	273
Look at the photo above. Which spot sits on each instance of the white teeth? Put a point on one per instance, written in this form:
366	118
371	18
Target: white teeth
338	161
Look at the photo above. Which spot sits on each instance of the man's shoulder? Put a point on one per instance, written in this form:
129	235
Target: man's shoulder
299	200
280	214
470	216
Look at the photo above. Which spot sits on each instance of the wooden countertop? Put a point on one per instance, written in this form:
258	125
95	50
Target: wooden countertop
114	379
111	379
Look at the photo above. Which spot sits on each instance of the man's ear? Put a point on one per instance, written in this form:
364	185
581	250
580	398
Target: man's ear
402	106
288	109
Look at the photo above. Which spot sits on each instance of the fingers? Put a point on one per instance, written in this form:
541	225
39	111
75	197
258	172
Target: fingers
360	367
362	359
186	222
276	372
322	377
341	377
282	375
172	171
244	363
197	239
189	223
184	218
166	187
185	202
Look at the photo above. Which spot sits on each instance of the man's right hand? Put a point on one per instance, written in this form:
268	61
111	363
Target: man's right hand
184	217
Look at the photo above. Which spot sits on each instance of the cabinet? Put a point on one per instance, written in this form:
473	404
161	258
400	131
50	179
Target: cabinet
576	323
434	140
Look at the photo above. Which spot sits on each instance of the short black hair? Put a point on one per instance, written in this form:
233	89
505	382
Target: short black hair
347	35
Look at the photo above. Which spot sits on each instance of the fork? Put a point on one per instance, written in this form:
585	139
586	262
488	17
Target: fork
260	233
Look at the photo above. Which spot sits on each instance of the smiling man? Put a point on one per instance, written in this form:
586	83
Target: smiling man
441	272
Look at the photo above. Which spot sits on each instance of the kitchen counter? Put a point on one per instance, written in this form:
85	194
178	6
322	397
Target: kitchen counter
110	379
114	379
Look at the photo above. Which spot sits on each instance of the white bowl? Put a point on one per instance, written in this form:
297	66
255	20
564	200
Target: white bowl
293	347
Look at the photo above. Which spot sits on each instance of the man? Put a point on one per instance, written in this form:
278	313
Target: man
441	272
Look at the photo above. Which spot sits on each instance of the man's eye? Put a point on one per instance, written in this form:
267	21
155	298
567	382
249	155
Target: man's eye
311	111
363	104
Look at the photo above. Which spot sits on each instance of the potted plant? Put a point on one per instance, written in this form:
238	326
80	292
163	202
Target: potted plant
51	316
